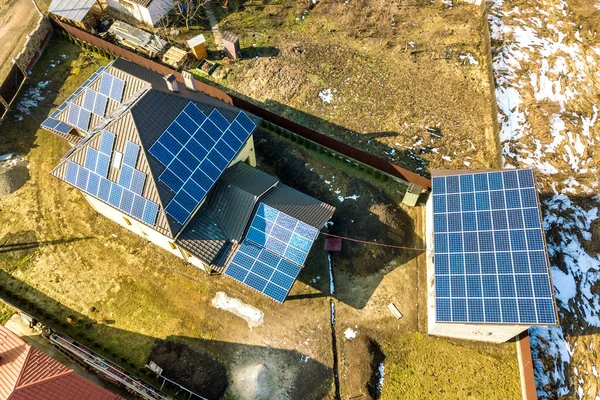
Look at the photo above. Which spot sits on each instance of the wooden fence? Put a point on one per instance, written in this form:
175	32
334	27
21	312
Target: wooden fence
351	153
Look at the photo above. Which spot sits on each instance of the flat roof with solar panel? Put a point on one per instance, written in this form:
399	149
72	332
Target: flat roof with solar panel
490	262
172	161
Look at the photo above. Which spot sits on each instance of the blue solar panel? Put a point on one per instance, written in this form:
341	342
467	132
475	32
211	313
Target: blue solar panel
131	154
490	261
282	234
194	148
107	142
263	271
112	87
125	195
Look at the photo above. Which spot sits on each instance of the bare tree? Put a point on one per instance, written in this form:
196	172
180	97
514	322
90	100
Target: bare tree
182	10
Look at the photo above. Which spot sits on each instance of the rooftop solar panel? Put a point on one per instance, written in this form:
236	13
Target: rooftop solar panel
52	124
124	195
263	271
490	260
194	149
282	234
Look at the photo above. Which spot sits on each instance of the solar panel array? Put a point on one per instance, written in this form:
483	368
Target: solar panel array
262	270
112	87
195	150
490	259
271	255
78	117
54	124
91	177
95	102
282	234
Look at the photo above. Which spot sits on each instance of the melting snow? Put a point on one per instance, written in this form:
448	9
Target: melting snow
350	333
252	315
326	96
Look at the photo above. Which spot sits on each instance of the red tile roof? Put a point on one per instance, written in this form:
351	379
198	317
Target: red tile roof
28	374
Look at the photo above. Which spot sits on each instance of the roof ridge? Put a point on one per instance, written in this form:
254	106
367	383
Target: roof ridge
46	379
151	176
29	347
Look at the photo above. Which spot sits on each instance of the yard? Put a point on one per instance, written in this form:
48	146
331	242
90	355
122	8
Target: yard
406	81
118	294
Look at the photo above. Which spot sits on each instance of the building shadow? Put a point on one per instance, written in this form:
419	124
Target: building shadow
289	371
260	51
364	212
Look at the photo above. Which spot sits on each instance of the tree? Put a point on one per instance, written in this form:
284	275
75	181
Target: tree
182	10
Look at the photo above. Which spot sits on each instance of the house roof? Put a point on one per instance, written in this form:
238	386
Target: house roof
143	3
225	214
141	116
299	205
28	374
75	10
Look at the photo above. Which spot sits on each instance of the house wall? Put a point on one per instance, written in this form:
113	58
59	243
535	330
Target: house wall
497	333
136	227
150	16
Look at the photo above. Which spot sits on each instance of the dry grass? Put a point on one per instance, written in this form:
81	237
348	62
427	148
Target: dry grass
394	69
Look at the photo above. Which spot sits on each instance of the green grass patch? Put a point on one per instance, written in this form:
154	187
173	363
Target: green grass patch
423	367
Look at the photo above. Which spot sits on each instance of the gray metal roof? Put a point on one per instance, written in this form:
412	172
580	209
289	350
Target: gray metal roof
231	203
234	197
75	10
203	237
299	205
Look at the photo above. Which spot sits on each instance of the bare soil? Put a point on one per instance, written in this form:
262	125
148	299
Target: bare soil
17	19
195	370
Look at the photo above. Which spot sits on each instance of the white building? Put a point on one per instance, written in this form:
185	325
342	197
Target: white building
146	11
488	275
175	166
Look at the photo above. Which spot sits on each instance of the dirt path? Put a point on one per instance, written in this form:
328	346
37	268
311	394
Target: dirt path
17	19
547	67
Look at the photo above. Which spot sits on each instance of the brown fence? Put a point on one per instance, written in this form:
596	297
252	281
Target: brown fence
337	146
526	367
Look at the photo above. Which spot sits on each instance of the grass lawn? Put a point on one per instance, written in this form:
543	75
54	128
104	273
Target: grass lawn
117	293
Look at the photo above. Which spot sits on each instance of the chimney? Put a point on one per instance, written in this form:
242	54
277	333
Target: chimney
189	80
171	83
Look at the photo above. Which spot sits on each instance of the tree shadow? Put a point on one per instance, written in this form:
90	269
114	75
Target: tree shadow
288	372
10	247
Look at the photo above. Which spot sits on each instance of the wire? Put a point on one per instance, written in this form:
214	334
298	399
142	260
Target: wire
373	243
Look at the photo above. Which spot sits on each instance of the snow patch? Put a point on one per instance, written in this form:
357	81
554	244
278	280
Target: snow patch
252	315
350	334
326	96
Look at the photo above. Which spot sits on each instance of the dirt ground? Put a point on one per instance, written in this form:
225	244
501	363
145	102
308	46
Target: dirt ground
17	19
117	293
405	81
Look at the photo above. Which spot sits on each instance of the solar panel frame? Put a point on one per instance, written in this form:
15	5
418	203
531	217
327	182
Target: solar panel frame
492	239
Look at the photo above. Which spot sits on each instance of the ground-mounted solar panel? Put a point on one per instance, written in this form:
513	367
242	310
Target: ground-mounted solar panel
490	259
195	151
263	271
